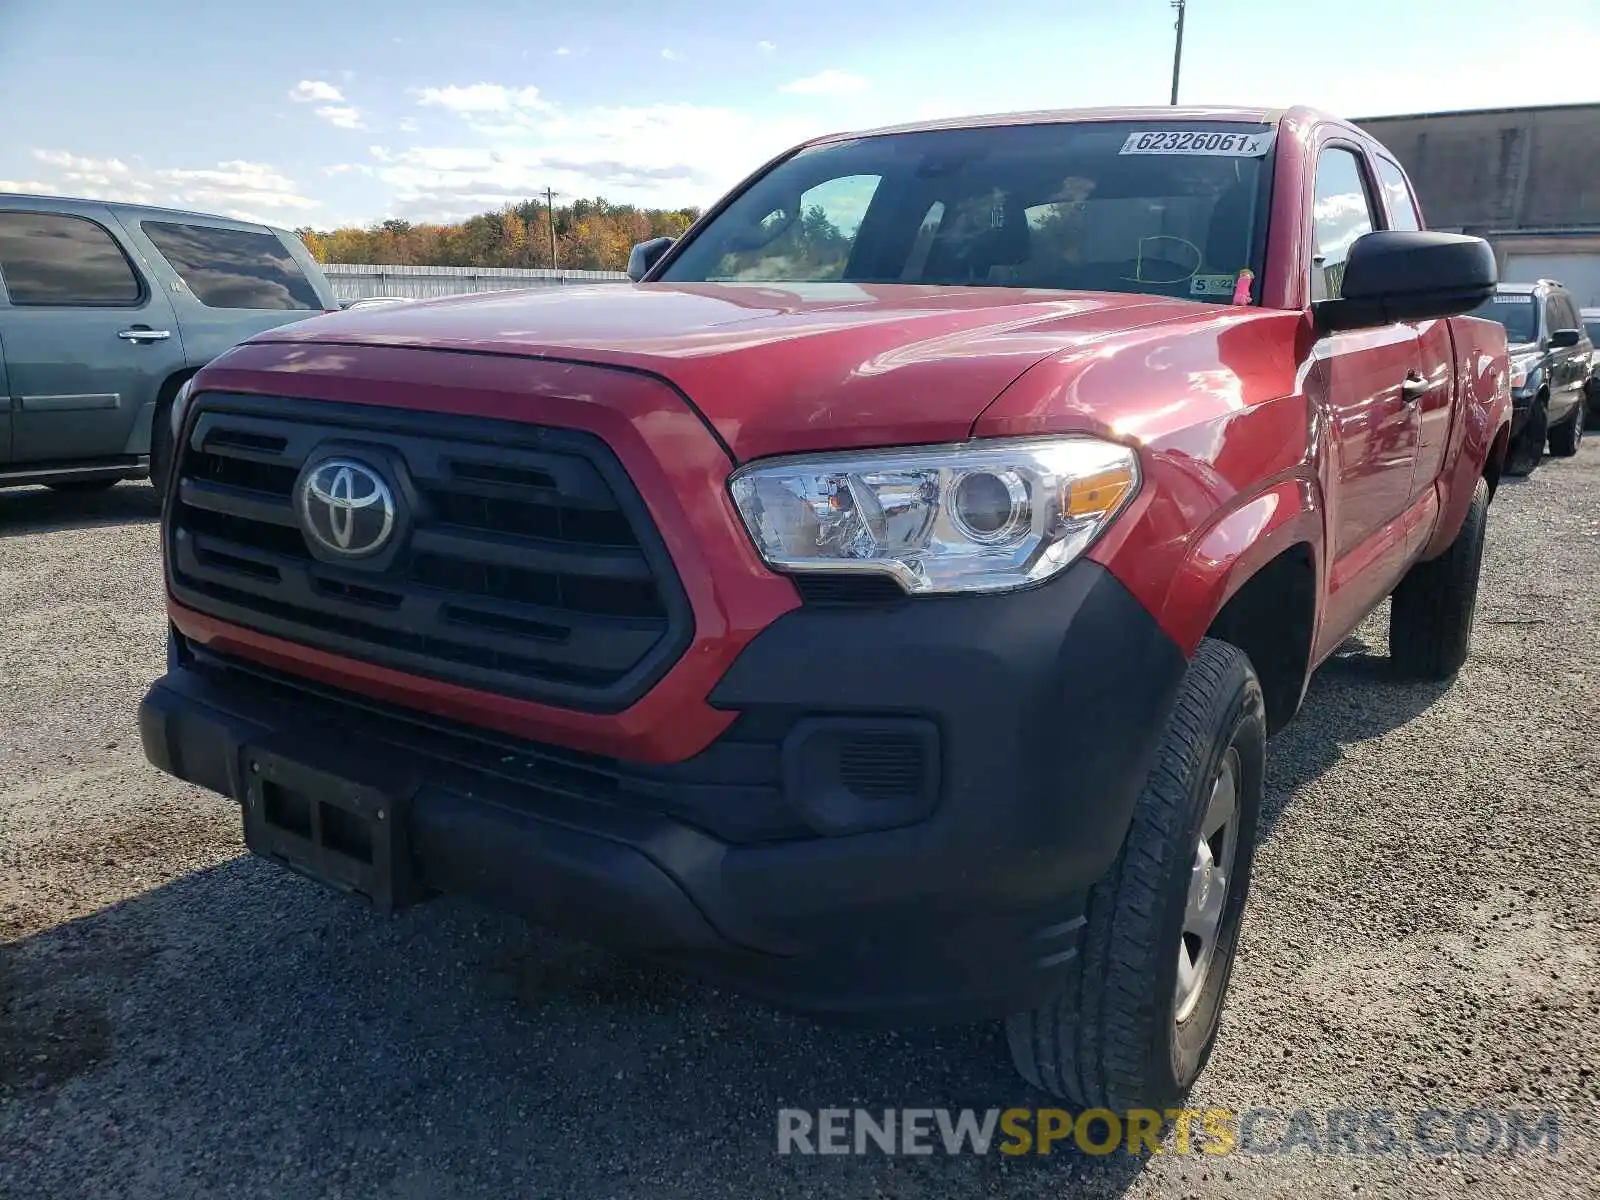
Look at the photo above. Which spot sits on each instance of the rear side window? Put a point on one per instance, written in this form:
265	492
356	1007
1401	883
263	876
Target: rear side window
1402	209
51	259
233	268
1342	214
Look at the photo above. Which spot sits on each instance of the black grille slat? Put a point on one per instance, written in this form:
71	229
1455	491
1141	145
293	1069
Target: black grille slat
525	563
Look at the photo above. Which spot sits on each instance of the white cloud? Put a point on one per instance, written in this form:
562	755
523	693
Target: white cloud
669	54
766	47
827	83
659	155
409	125
310	91
342	116
563	51
35	186
483	98
248	190
348	169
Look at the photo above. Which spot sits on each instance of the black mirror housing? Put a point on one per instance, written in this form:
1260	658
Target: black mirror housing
645	255
1565	339
1396	275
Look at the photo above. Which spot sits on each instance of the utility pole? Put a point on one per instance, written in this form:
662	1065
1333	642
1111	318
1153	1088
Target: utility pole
550	212
1177	51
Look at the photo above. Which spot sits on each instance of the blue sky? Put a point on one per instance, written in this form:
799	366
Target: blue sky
349	111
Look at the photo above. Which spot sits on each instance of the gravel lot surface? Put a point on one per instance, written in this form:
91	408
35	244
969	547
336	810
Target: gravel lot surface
179	1020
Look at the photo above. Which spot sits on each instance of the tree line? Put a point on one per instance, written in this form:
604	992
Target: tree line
590	235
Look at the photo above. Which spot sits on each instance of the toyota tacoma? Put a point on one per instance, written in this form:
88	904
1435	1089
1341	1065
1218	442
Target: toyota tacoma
882	605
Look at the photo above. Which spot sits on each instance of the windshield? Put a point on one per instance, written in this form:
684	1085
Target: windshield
1172	208
1516	312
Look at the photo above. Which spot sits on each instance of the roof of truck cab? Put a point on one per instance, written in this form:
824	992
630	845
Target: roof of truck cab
1064	116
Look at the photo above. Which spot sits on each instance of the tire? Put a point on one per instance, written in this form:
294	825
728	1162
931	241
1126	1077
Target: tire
1430	618
1113	1039
83	487
1566	437
161	446
1528	449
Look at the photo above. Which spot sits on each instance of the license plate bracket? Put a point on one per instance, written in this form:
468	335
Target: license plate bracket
348	834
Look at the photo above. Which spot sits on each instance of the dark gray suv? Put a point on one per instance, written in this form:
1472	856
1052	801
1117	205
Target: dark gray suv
106	309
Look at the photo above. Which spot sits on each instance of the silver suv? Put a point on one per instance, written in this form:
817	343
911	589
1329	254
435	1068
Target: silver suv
105	310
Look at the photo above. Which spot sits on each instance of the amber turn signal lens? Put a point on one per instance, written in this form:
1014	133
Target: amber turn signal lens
1099	493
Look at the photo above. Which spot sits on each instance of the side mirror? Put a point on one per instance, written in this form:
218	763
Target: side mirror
1565	339
645	255
1396	275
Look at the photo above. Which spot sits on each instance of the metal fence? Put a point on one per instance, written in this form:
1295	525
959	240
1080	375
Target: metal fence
351	281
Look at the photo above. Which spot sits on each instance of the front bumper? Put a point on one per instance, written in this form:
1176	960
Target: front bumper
1039	712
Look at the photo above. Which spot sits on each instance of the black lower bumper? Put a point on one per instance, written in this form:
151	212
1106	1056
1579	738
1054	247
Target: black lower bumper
1040	710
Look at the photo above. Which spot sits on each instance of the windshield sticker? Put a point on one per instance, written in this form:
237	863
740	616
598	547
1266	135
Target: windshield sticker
1512	298
1212	285
1223	145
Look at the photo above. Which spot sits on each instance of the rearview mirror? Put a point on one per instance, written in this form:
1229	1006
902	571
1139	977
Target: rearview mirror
1564	339
646	255
1395	275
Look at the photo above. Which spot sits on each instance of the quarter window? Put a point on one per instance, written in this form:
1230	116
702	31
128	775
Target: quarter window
233	268
1402	209
1343	213
52	259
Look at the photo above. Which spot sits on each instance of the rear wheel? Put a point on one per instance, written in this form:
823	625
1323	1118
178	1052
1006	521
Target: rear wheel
1528	449
1139	1016
1566	437
1430	618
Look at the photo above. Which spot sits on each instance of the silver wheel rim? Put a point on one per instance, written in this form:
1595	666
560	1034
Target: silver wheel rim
1209	875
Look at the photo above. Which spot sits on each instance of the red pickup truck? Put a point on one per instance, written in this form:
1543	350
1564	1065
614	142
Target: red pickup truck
881	607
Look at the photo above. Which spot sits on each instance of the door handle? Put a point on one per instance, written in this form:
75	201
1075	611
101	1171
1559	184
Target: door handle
1414	388
144	335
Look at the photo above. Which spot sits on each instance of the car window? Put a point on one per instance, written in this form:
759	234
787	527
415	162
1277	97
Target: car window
1592	328
1402	209
1516	311
817	237
53	259
1174	209
1342	213
1562	313
233	268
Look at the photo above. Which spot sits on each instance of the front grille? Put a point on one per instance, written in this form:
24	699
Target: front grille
886	766
523	561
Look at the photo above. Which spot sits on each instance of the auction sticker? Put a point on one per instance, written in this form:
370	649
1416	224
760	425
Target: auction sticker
1222	145
1213	285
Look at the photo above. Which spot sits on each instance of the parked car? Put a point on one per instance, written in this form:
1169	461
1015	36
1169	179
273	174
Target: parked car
1550	353
881	608
105	311
1591	389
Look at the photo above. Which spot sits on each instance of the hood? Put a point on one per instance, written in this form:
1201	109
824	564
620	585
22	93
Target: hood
779	369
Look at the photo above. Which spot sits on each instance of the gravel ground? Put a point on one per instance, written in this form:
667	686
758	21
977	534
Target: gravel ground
178	1020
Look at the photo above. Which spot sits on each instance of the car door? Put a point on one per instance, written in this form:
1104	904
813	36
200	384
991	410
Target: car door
88	341
227	281
1568	364
1366	382
1431	390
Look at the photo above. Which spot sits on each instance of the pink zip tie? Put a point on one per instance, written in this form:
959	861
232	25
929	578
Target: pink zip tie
1241	290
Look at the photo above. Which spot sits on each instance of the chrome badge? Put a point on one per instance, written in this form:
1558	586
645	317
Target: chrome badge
347	508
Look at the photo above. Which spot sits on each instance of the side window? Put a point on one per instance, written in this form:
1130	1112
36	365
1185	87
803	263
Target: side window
1402	209
1561	313
812	242
1342	213
51	259
233	268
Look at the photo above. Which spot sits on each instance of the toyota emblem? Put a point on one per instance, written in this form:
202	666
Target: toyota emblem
346	507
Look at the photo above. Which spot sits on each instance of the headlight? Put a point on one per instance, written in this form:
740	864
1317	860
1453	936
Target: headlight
180	407
979	517
1521	371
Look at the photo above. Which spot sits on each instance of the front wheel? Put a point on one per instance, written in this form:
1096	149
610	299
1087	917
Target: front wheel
1528	449
1139	1016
